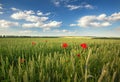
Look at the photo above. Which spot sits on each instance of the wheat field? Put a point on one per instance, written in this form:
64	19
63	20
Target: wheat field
45	60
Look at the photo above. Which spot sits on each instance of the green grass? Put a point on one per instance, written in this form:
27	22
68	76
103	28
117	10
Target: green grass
49	62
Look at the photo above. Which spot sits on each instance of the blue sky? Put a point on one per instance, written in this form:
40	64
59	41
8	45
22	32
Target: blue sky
60	17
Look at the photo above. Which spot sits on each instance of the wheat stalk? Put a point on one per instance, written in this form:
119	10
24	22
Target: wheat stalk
113	77
104	72
86	64
25	77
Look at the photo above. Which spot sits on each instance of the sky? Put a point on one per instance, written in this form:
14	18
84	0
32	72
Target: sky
60	18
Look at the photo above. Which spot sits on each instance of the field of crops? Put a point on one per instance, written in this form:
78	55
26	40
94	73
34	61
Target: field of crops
59	60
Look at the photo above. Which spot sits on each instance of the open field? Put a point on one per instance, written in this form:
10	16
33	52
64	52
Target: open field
45	60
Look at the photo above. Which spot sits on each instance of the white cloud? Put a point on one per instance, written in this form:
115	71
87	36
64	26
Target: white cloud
39	13
6	24
62	2
34	21
32	25
26	31
67	4
64	31
51	24
59	32
73	7
97	21
30	12
114	17
1	8
56	3
72	24
101	17
1	12
14	9
47	13
88	6
46	30
105	24
92	21
28	16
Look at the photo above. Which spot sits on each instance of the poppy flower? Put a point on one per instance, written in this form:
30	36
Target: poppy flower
83	45
33	43
64	45
78	55
22	60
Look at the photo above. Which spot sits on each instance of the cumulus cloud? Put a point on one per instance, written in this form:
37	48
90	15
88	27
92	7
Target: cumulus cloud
92	21
28	16
97	21
6	24
35	19
114	17
30	25
50	24
39	13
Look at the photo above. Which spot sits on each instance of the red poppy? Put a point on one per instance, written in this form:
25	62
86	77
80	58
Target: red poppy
64	45
83	45
33	43
78	55
22	60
